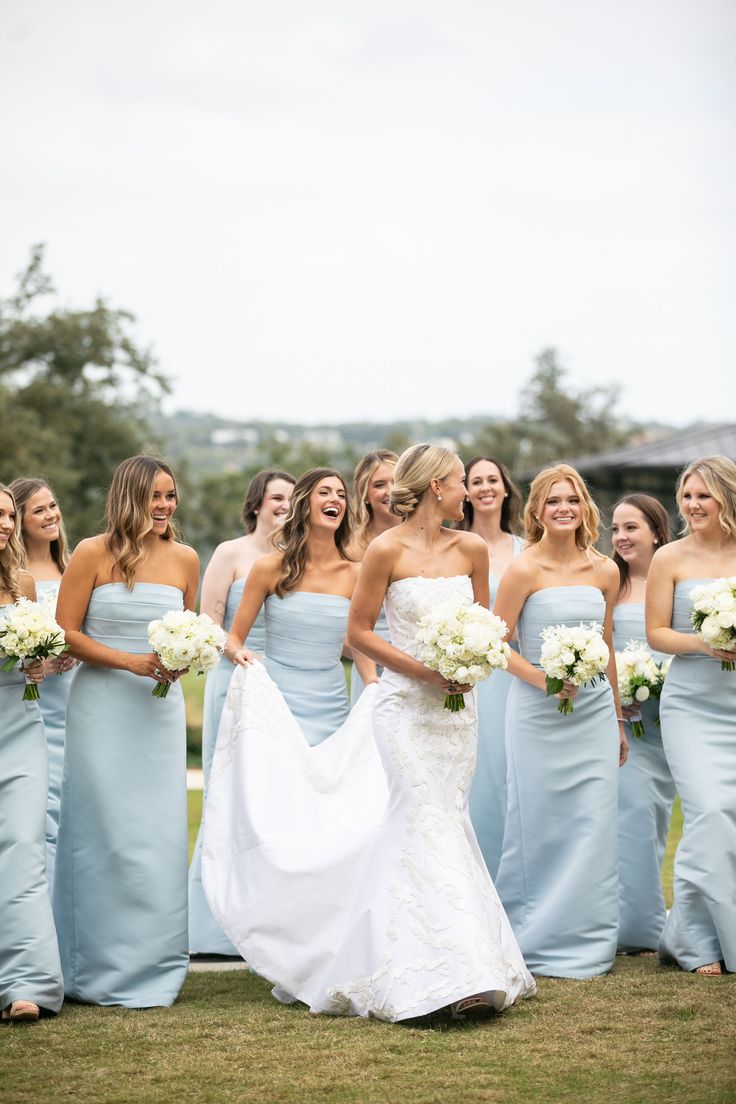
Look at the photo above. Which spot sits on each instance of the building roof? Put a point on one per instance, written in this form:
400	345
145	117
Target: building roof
673	451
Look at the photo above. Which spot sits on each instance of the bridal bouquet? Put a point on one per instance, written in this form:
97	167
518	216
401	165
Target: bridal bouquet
463	643
30	632
182	638
640	678
714	616
577	653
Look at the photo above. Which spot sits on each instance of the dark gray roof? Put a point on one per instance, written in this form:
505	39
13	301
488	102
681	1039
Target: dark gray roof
673	451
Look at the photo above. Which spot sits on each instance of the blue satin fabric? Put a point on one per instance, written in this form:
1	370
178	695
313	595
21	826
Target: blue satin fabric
304	639
698	712
645	797
120	893
356	682
29	955
54	697
558	877
488	790
205	935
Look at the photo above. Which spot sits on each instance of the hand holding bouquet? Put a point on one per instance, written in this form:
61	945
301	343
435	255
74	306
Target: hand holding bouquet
572	653
640	678
463	643
183	639
29	632
714	616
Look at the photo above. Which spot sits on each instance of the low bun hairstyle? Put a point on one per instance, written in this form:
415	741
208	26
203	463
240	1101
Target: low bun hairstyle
414	471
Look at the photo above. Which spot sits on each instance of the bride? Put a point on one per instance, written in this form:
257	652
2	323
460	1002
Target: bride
348	873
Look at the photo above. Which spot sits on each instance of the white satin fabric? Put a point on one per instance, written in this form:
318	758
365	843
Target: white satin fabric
348	873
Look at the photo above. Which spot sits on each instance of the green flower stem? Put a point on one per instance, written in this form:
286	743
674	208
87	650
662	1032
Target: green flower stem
637	729
565	706
454	702
727	665
31	692
161	689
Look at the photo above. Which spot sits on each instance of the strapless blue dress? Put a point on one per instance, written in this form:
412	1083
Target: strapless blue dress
54	696
305	633
29	955
698	713
488	791
558	877
205	934
356	683
645	796
120	892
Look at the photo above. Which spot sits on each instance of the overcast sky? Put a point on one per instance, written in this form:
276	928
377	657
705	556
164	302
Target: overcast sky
355	209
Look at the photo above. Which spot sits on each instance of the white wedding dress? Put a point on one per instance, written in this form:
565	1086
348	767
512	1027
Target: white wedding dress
348	873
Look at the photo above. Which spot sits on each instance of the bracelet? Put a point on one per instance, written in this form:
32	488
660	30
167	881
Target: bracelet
621	720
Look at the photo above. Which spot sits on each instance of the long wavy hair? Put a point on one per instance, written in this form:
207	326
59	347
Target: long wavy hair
292	537
11	557
24	489
128	513
415	469
256	493
587	532
362	510
511	509
719	475
656	518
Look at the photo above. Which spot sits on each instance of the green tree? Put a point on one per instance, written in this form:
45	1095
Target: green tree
73	388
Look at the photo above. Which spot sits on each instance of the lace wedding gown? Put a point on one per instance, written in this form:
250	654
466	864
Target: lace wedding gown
348	873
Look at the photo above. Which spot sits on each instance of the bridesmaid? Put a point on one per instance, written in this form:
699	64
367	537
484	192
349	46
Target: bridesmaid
265	507
646	791
558	877
372	482
698	731
492	510
305	589
30	973
46	557
120	895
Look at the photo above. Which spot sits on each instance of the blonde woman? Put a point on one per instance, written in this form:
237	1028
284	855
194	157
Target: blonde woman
697	712
30	973
120	893
359	901
372	482
46	557
265	508
558	877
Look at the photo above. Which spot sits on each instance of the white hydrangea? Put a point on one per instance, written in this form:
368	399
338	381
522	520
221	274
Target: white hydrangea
640	677
182	638
27	632
576	653
714	615
464	643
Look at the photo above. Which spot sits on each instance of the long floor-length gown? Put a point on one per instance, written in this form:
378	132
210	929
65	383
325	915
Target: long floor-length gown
698	714
120	893
348	873
488	790
53	710
205	934
558	877
29	956
645	796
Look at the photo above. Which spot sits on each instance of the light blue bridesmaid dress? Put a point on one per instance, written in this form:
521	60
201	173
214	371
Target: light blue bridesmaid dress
356	683
304	638
54	696
120	892
645	796
558	877
698	713
488	790
29	955
205	934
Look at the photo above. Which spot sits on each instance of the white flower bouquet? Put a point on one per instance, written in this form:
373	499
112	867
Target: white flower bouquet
714	616
181	639
29	632
576	653
463	643
640	679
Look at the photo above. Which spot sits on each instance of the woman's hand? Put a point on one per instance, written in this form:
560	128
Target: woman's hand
434	678
59	665
623	744
243	657
569	690
150	666
34	672
718	653
631	712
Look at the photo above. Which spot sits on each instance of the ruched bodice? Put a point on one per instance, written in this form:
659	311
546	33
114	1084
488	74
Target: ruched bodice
681	612
119	617
306	630
558	605
256	640
408	600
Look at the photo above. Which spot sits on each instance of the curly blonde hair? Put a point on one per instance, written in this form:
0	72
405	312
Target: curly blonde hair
587	532
128	513
719	475
414	471
24	489
11	558
291	539
362	512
